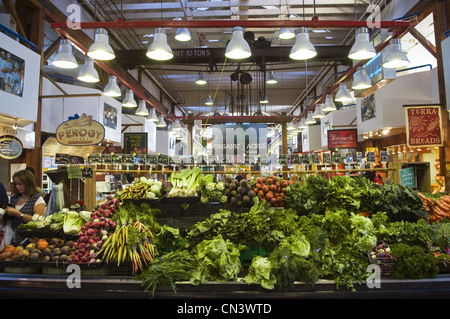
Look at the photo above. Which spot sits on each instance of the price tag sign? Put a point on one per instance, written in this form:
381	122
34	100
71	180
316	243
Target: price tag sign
74	172
95	158
370	157
151	159
107	158
163	160
282	159
128	159
337	158
295	159
326	158
62	159
384	157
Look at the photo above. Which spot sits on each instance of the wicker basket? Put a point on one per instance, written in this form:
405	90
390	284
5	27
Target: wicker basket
387	265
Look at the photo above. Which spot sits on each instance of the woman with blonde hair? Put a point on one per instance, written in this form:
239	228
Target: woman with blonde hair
24	202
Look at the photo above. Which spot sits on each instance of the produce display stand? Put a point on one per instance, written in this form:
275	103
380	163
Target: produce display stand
120	287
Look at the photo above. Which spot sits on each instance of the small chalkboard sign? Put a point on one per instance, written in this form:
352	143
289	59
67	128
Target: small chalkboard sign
384	157
62	159
295	159
326	158
370	157
151	159
95	158
282	159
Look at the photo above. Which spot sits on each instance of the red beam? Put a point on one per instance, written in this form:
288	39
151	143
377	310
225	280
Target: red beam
313	23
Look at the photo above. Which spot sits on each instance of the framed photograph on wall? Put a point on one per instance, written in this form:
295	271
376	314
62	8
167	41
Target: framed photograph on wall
368	110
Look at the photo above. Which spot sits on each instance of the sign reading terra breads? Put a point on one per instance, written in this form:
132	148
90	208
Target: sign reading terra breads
81	131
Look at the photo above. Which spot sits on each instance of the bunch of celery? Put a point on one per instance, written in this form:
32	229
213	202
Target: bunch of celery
184	182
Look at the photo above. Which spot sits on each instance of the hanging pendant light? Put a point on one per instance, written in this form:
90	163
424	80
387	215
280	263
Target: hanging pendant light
159	49
395	56
361	80
343	94
201	80
362	49
142	109
290	126
238	47
271	79
152	117
88	73
318	112
303	48
329	105
298	128
177	126
129	101
64	57
100	49
263	99
286	33
183	35
161	122
112	89
209	100
309	118
302	125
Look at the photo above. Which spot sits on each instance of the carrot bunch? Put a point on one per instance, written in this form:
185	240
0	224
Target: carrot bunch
438	208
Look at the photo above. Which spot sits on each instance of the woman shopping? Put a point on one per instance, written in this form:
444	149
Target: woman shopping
24	202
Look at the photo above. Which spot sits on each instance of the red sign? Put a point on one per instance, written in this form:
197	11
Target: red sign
423	125
342	138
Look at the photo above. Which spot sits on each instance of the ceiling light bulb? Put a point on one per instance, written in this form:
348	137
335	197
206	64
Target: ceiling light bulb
238	47
64	57
177	126
201	80
286	33
209	100
142	109
362	49
271	79
329	105
152	117
343	94
161	121
318	113
264	99
309	118
395	58
159	49
303	48
361	80
183	35
88	73
290	126
129	101
112	89
302	124
100	49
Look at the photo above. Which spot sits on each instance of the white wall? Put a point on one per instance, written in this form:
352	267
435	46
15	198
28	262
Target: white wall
58	110
415	88
311	138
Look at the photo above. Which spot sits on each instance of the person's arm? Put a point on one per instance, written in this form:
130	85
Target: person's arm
39	206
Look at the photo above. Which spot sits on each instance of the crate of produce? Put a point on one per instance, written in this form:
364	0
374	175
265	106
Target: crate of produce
381	256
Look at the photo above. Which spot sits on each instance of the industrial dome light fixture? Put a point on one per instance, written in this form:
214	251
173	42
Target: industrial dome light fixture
142	109
263	99
343	94
361	79
152	117
286	33
129	101
159	49
271	79
161	122
183	35
318	112
101	49
329	105
209	100
64	57
238	47
112	89
303	48
201	80
395	58
362	49
309	118
88	73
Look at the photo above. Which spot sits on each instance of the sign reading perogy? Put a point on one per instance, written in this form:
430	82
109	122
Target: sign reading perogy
81	131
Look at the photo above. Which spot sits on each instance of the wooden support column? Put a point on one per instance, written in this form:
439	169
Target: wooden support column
440	23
